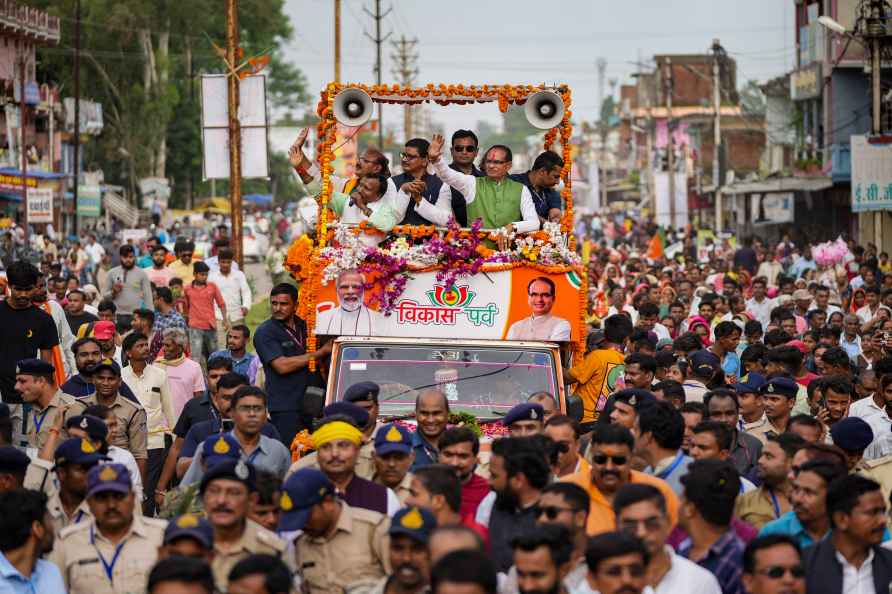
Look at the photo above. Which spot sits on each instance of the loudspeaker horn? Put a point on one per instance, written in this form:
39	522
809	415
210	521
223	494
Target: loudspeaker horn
544	109
353	107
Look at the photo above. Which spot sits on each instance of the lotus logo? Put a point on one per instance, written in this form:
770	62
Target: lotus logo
451	296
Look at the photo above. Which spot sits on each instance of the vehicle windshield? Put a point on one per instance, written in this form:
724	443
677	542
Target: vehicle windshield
485	382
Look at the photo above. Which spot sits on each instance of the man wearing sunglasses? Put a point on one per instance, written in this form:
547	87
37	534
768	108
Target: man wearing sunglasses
641	512
497	200
773	565
464	151
617	564
567	505
610	454
851	558
422	198
371	162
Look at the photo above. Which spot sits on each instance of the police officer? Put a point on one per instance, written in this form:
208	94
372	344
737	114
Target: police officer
527	418
188	535
35	380
852	435
13	465
339	545
779	397
68	505
409	555
114	552
217	448
226	491
393	457
363	409
132	433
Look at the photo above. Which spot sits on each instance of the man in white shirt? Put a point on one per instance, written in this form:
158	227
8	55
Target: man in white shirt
422	198
151	388
497	200
541	325
869	310
351	317
759	305
641	511
94	250
234	288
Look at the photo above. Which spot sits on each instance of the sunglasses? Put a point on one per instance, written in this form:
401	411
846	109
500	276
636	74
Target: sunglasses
776	572
551	511
408	157
465	149
636	570
601	460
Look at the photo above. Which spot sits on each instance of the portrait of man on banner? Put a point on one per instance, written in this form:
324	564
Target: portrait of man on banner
351	316
540	324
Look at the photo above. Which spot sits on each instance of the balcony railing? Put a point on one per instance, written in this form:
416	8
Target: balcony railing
34	24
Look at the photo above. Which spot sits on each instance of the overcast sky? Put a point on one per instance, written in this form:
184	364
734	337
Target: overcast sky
535	41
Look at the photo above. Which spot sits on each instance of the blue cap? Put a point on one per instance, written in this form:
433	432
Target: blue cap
34	367
94	426
359	415
415	522
77	451
303	489
751	383
108	477
393	438
705	363
220	447
781	385
362	392
109	364
634	397
852	434
525	411
234	470
13	460
190	526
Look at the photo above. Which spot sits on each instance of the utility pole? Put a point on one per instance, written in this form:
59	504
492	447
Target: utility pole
670	146
405	71
602	132
23	120
235	140
337	41
77	106
717	131
379	41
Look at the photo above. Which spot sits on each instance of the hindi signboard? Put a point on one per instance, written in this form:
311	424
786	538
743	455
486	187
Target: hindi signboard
871	175
40	205
494	305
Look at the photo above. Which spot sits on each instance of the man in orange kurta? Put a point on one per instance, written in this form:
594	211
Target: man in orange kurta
611	453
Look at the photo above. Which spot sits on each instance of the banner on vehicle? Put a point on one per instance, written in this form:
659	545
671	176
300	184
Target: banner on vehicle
517	304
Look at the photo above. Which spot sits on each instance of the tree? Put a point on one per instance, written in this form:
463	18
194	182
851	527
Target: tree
142	58
752	100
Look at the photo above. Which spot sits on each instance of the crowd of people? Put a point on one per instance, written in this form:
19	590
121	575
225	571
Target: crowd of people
735	432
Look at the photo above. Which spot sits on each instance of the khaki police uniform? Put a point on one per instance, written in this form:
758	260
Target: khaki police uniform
132	433
40	421
402	490
356	554
365	464
255	540
756	507
81	548
763	431
61	520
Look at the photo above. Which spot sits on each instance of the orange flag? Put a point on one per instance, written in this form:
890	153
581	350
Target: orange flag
655	247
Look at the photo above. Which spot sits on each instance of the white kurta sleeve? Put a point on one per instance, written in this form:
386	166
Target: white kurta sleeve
530	220
441	212
465	184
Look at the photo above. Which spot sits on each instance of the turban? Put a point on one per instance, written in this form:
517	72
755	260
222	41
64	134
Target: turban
334	431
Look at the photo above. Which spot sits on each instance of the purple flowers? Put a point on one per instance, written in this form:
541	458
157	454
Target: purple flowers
389	273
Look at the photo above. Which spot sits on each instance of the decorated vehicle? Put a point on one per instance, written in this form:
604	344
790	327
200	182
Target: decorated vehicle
488	316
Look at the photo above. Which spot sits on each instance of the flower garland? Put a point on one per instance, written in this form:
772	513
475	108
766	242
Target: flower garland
391	275
539	251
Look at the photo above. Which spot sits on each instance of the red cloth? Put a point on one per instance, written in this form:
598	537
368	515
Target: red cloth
200	302
806	379
472	494
480	529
